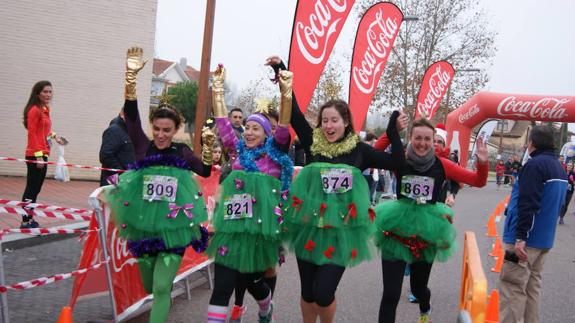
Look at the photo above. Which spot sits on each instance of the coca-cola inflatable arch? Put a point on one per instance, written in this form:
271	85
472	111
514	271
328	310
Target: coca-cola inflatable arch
490	105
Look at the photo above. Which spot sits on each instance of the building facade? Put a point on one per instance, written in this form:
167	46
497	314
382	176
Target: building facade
79	46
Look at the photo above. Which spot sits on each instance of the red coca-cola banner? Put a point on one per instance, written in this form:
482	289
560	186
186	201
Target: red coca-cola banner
435	83
373	43
316	27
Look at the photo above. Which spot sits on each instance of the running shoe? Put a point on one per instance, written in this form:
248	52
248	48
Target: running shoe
412	299
424	318
237	313
268	318
31	224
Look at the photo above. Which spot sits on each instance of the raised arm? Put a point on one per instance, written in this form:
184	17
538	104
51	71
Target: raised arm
297	119
227	135
134	63
381	160
459	174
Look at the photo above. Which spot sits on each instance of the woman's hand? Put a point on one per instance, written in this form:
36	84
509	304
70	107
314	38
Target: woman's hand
402	121
273	60
481	151
61	140
135	59
40	165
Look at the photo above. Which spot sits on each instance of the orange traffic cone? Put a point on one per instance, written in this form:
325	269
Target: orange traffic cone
491	230
497	250
65	315
498	264
492	311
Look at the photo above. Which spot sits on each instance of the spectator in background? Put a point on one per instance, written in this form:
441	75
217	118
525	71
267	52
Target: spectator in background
571	180
236	117
36	119
516	167
530	225
371	175
116	150
499	172
561	159
508	171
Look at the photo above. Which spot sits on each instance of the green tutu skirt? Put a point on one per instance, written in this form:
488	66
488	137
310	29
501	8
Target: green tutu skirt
158	203
414	232
247	222
329	220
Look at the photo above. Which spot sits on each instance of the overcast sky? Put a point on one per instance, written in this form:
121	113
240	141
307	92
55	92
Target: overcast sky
535	41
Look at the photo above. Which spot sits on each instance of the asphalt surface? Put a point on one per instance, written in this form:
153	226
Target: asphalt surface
358	295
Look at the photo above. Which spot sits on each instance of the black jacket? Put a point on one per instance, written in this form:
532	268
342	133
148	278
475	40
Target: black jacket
117	150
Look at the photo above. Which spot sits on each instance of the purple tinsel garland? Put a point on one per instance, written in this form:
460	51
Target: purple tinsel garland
153	246
160	160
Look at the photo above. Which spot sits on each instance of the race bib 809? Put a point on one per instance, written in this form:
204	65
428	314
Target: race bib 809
160	188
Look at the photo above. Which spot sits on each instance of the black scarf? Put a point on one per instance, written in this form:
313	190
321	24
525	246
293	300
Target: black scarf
420	163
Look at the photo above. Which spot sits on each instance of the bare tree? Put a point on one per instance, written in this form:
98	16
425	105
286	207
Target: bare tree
452	30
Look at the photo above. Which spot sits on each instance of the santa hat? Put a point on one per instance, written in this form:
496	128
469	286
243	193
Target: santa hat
440	131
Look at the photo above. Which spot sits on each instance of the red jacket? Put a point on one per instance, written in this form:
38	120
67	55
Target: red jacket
499	169
39	128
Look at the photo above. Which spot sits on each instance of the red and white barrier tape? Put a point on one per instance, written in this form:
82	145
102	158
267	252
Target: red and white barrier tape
43	207
46	214
48	280
46	231
55	163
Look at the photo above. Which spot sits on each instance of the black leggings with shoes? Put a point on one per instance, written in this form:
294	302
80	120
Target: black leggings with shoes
34	179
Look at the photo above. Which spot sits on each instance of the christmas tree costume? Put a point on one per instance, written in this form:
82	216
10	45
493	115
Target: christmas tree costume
329	220
158	207
413	232
247	221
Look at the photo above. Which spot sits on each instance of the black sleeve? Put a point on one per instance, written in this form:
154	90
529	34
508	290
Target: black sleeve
197	166
109	148
454	187
381	160
134	127
301	127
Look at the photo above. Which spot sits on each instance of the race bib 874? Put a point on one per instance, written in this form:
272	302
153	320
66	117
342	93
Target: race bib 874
417	187
160	188
336	180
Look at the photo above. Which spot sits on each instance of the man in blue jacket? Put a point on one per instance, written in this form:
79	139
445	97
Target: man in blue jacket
529	232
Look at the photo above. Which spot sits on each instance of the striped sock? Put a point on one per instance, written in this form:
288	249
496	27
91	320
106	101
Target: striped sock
217	314
264	305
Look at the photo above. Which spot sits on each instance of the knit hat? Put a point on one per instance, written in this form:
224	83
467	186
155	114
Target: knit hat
440	131
263	121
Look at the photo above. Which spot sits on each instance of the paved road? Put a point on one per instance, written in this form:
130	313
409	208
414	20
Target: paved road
358	295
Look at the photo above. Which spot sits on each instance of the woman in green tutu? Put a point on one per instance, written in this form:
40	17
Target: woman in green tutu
156	205
329	222
248	217
416	228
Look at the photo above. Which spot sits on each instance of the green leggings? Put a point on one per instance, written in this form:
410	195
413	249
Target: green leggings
157	274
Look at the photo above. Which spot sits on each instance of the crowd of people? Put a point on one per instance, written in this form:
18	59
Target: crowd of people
327	215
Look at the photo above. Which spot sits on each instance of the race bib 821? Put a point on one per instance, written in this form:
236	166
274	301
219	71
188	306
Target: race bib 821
417	187
160	188
336	180
239	206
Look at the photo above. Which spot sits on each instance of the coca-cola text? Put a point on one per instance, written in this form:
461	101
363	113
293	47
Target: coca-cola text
544	108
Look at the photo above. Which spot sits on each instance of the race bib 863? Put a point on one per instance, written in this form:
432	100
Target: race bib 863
417	187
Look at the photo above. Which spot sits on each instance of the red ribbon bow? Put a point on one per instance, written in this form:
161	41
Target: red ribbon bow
322	208
296	203
329	252
309	246
371	213
352	210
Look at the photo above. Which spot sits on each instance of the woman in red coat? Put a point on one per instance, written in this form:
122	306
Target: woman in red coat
499	172
37	122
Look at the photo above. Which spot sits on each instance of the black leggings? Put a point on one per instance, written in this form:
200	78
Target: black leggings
34	179
393	279
225	279
319	283
566	204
